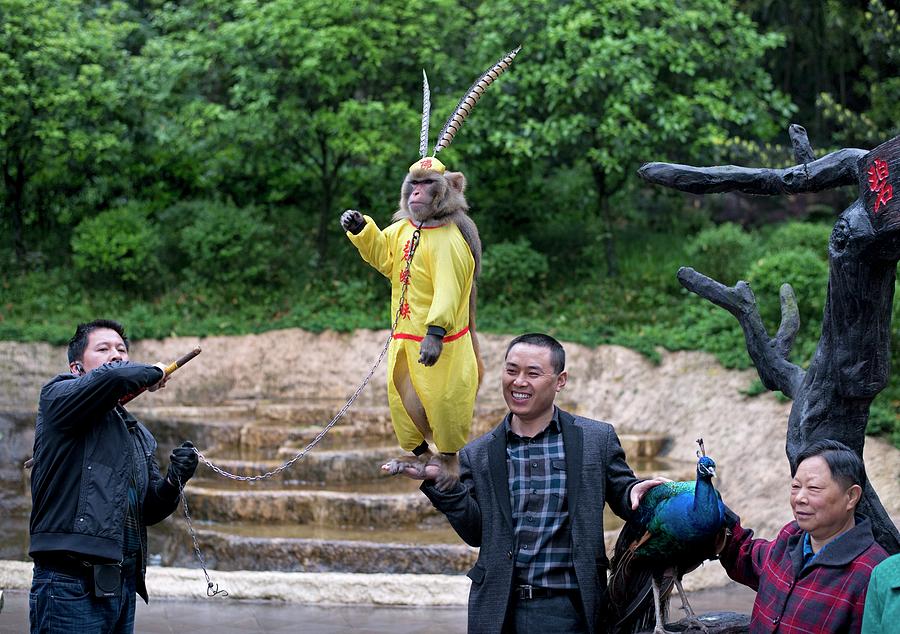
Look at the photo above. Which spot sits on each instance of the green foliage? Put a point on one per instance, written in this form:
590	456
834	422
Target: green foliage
119	245
67	114
811	236
230	246
512	270
807	274
722	252
610	85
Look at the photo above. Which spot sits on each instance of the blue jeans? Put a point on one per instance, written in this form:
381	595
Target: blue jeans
65	604
550	615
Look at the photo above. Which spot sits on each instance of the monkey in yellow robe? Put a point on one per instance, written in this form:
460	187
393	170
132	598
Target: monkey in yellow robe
434	368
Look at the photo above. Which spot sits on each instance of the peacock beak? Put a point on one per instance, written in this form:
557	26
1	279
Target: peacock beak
712	471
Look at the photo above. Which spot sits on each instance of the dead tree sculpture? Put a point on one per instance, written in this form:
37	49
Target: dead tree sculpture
852	359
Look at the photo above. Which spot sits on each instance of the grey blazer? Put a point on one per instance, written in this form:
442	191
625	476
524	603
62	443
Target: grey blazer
480	511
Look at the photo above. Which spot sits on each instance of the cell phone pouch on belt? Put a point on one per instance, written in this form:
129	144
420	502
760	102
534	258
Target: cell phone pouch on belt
107	580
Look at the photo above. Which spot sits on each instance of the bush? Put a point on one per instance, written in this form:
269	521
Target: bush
722	253
813	236
511	270
807	274
230	246
119	244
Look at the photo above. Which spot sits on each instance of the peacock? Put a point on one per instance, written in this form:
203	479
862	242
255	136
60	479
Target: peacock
677	526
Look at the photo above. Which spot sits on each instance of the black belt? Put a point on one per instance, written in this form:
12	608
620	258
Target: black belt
74	567
531	592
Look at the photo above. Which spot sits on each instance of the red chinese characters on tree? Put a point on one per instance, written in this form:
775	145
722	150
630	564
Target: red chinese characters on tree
878	182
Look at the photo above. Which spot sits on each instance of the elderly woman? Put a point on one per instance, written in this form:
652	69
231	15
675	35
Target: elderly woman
813	576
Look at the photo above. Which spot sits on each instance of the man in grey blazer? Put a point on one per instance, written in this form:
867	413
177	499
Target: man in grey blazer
531	496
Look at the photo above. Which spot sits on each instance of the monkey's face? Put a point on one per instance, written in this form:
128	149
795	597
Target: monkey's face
429	195
421	194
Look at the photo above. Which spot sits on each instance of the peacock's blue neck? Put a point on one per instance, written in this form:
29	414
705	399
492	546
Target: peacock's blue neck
706	500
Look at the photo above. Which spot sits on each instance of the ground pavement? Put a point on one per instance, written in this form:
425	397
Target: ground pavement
227	616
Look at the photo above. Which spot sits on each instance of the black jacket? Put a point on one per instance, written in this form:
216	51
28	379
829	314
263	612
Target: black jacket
84	445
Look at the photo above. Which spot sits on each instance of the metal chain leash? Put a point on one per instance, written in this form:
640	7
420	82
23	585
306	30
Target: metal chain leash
413	245
212	589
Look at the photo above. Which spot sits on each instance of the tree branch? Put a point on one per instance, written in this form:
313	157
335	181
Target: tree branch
832	170
769	355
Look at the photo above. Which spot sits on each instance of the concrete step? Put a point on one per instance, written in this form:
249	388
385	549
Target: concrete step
643	445
319	466
266	427
14	536
361	465
304	506
291	548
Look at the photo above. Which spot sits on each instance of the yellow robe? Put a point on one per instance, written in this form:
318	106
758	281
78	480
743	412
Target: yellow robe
440	282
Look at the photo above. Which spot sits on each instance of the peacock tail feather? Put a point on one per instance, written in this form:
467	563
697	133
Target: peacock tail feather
467	103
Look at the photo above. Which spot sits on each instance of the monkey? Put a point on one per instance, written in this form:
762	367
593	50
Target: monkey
432	385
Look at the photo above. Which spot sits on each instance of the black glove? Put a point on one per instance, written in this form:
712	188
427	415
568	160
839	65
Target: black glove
182	464
353	221
431	346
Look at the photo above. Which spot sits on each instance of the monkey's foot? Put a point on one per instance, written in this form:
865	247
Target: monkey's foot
448	476
403	463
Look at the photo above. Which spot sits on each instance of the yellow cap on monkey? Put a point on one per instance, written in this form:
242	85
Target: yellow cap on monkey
428	163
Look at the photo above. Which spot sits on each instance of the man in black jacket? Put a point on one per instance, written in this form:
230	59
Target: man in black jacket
95	488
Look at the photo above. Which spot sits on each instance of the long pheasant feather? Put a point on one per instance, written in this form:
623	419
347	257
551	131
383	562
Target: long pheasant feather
426	115
465	105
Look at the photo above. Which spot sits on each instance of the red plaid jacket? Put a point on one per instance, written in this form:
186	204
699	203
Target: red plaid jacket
825	596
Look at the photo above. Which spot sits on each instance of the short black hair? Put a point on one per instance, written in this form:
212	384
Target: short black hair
557	354
78	342
846	466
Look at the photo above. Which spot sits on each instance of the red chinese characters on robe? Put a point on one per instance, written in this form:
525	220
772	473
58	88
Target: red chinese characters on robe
877	176
404	276
404	310
406	251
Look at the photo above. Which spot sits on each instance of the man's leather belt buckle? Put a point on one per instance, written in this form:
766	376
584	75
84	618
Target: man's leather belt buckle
530	592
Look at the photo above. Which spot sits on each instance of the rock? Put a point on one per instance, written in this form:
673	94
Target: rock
715	622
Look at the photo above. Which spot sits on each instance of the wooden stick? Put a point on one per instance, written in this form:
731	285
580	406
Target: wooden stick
168	371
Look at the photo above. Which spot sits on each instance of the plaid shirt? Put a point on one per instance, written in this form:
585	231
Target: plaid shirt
537	489
827	594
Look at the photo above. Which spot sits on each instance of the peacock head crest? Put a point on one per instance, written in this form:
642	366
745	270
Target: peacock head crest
706	466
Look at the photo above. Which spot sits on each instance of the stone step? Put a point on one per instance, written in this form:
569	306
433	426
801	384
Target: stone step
299	506
268	426
380	504
14	535
291	548
642	445
361	465
319	466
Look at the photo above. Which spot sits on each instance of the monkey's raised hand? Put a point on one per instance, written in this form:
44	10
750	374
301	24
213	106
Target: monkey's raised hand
352	221
431	346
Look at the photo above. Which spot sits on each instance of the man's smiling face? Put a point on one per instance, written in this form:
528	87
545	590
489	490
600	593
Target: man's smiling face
529	383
